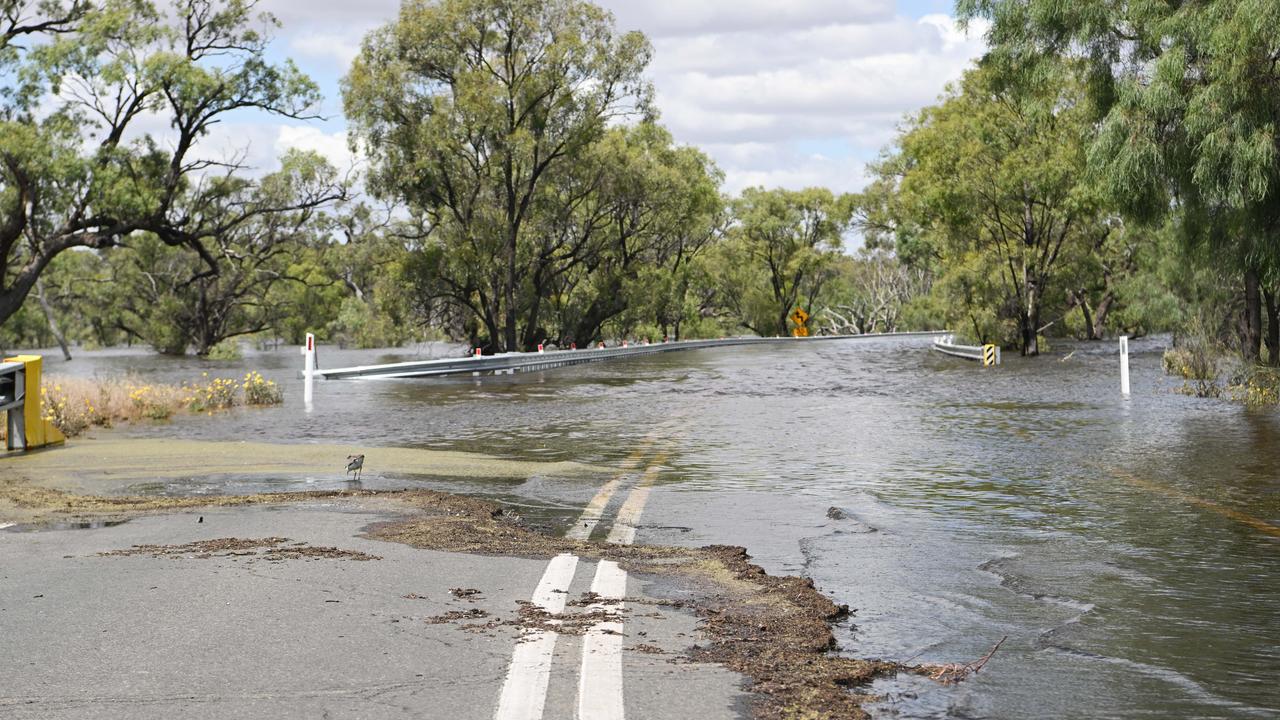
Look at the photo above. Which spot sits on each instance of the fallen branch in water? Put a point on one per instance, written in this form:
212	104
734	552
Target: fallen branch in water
951	673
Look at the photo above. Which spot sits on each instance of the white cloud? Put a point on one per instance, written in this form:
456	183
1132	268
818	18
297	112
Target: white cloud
664	18
846	87
332	146
757	83
339	48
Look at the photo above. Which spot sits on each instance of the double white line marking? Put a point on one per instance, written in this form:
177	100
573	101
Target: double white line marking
524	693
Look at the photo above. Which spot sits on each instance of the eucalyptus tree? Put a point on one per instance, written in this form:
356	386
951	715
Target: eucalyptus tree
83	80
170	298
870	293
994	178
780	251
1188	95
465	109
619	229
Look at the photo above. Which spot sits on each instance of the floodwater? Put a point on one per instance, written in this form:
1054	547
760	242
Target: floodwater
1129	549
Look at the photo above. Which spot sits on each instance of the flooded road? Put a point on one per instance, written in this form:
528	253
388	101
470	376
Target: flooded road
1128	549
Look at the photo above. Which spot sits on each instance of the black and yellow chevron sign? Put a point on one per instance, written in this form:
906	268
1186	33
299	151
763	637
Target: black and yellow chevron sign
988	355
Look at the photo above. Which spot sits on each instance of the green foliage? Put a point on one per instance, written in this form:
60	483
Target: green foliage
992	181
1185	98
781	251
78	172
226	350
173	299
467	109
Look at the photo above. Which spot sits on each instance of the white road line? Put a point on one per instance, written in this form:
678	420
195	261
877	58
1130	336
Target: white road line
600	695
6	525
594	510
600	680
524	693
623	531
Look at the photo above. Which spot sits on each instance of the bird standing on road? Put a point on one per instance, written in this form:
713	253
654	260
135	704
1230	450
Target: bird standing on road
355	463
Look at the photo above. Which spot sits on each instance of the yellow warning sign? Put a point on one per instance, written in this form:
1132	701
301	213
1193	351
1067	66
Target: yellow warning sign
799	317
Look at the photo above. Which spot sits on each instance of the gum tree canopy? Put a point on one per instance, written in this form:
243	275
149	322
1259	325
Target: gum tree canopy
467	108
83	82
1189	96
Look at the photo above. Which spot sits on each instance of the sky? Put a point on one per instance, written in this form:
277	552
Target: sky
788	94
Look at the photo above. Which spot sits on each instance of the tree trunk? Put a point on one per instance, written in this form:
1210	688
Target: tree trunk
1100	317
1081	300
1252	341
1031	320
53	323
1273	327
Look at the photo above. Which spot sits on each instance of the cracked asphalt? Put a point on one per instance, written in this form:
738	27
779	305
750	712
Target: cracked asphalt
224	635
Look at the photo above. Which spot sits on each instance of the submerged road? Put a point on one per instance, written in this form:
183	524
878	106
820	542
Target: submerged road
1126	546
531	361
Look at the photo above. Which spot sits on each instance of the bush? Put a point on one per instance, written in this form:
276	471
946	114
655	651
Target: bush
210	395
260	391
69	408
228	349
74	405
154	402
1195	360
1256	386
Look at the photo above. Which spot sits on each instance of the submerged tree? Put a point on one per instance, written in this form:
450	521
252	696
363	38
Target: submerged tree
993	177
75	169
174	300
466	108
780	251
1187	95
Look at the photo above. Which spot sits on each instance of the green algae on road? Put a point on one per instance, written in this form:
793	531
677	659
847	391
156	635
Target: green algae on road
99	466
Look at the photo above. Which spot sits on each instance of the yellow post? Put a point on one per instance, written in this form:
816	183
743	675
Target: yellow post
988	355
39	432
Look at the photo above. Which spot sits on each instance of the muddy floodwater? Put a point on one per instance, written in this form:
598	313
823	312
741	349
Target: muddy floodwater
1128	549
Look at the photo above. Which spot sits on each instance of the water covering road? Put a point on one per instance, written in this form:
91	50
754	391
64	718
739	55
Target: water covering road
1129	549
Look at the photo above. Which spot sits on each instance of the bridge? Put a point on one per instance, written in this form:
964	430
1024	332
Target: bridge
527	361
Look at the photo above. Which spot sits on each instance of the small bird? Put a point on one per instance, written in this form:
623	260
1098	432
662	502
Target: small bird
355	463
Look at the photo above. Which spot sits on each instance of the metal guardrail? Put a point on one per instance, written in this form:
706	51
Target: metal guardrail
511	362
12	385
986	354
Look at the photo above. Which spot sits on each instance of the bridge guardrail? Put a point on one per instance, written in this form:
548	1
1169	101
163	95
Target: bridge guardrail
510	362
988	355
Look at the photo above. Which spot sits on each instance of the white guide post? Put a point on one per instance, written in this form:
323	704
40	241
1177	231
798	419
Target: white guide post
309	371
1124	365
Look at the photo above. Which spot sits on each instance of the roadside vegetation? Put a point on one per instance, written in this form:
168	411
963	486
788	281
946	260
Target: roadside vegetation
1068	186
75	405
